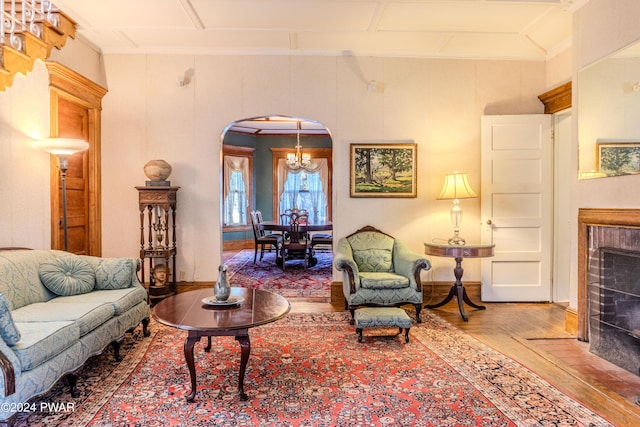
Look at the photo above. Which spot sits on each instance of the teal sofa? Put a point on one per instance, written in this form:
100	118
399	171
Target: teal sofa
379	270
56	311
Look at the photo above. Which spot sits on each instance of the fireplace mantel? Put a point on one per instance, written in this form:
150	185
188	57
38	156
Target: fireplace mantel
629	218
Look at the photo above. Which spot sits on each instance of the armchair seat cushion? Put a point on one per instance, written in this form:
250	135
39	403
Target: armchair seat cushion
375	280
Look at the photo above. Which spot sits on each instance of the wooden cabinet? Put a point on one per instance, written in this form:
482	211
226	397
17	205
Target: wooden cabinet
158	249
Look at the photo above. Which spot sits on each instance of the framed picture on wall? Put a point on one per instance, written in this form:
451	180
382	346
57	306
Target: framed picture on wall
383	170
618	158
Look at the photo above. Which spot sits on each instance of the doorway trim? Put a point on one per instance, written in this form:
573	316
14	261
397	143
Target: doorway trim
67	84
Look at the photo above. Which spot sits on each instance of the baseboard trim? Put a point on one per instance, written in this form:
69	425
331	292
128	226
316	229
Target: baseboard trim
432	292
236	245
571	320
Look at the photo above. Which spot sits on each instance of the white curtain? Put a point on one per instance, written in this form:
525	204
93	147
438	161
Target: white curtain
236	200
315	189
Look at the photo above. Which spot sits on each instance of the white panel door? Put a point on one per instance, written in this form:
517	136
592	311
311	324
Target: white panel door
516	207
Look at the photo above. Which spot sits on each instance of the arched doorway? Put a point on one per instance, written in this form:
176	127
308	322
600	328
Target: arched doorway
252	149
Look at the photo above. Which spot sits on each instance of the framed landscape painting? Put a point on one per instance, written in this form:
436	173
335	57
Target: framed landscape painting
383	170
618	158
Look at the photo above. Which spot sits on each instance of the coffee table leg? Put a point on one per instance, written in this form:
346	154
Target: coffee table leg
188	356
245	349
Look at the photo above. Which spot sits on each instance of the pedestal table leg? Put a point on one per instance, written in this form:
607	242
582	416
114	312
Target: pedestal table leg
462	292
458	290
458	271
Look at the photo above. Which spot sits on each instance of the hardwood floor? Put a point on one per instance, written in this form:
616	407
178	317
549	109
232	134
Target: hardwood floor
533	335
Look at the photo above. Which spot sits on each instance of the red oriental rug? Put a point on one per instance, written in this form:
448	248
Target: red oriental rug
313	283
310	370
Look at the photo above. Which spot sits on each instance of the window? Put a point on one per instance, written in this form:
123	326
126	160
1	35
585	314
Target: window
236	200
237	178
306	188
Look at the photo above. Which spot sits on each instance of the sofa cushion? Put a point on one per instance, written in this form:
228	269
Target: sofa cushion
70	275
41	341
10	334
88	316
114	273
121	299
375	280
19	280
372	251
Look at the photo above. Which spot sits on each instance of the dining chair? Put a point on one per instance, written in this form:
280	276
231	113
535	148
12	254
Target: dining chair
297	242
285	217
262	239
322	239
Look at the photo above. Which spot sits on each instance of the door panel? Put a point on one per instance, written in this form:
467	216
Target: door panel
516	207
73	122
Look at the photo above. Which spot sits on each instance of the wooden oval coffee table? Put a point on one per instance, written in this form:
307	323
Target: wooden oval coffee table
187	311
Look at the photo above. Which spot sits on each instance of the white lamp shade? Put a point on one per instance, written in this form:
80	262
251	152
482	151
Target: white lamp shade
62	147
456	186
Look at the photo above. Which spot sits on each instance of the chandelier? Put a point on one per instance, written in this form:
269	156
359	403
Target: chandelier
298	159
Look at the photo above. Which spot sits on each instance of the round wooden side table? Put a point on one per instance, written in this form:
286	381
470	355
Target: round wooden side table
458	252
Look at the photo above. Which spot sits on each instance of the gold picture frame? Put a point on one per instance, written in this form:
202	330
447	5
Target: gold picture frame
383	170
618	158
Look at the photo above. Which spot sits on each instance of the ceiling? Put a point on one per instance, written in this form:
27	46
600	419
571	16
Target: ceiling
278	125
496	29
479	29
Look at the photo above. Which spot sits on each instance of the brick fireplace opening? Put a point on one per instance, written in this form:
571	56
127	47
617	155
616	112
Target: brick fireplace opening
609	284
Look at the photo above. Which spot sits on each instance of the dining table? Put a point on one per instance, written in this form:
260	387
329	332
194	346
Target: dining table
276	226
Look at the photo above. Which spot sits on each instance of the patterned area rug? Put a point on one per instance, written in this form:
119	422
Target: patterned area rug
310	370
295	281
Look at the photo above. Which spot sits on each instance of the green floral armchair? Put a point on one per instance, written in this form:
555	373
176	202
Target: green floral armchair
379	270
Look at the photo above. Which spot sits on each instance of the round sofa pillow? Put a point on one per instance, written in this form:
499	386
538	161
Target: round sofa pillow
67	275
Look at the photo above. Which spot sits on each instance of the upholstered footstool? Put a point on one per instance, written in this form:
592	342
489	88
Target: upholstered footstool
371	317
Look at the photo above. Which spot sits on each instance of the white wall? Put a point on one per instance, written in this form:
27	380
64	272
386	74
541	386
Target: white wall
82	57
24	173
437	103
600	28
559	69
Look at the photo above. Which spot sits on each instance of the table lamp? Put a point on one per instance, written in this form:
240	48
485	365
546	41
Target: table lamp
63	148
456	186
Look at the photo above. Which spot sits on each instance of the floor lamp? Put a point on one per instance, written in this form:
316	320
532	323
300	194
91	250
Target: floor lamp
63	148
456	186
